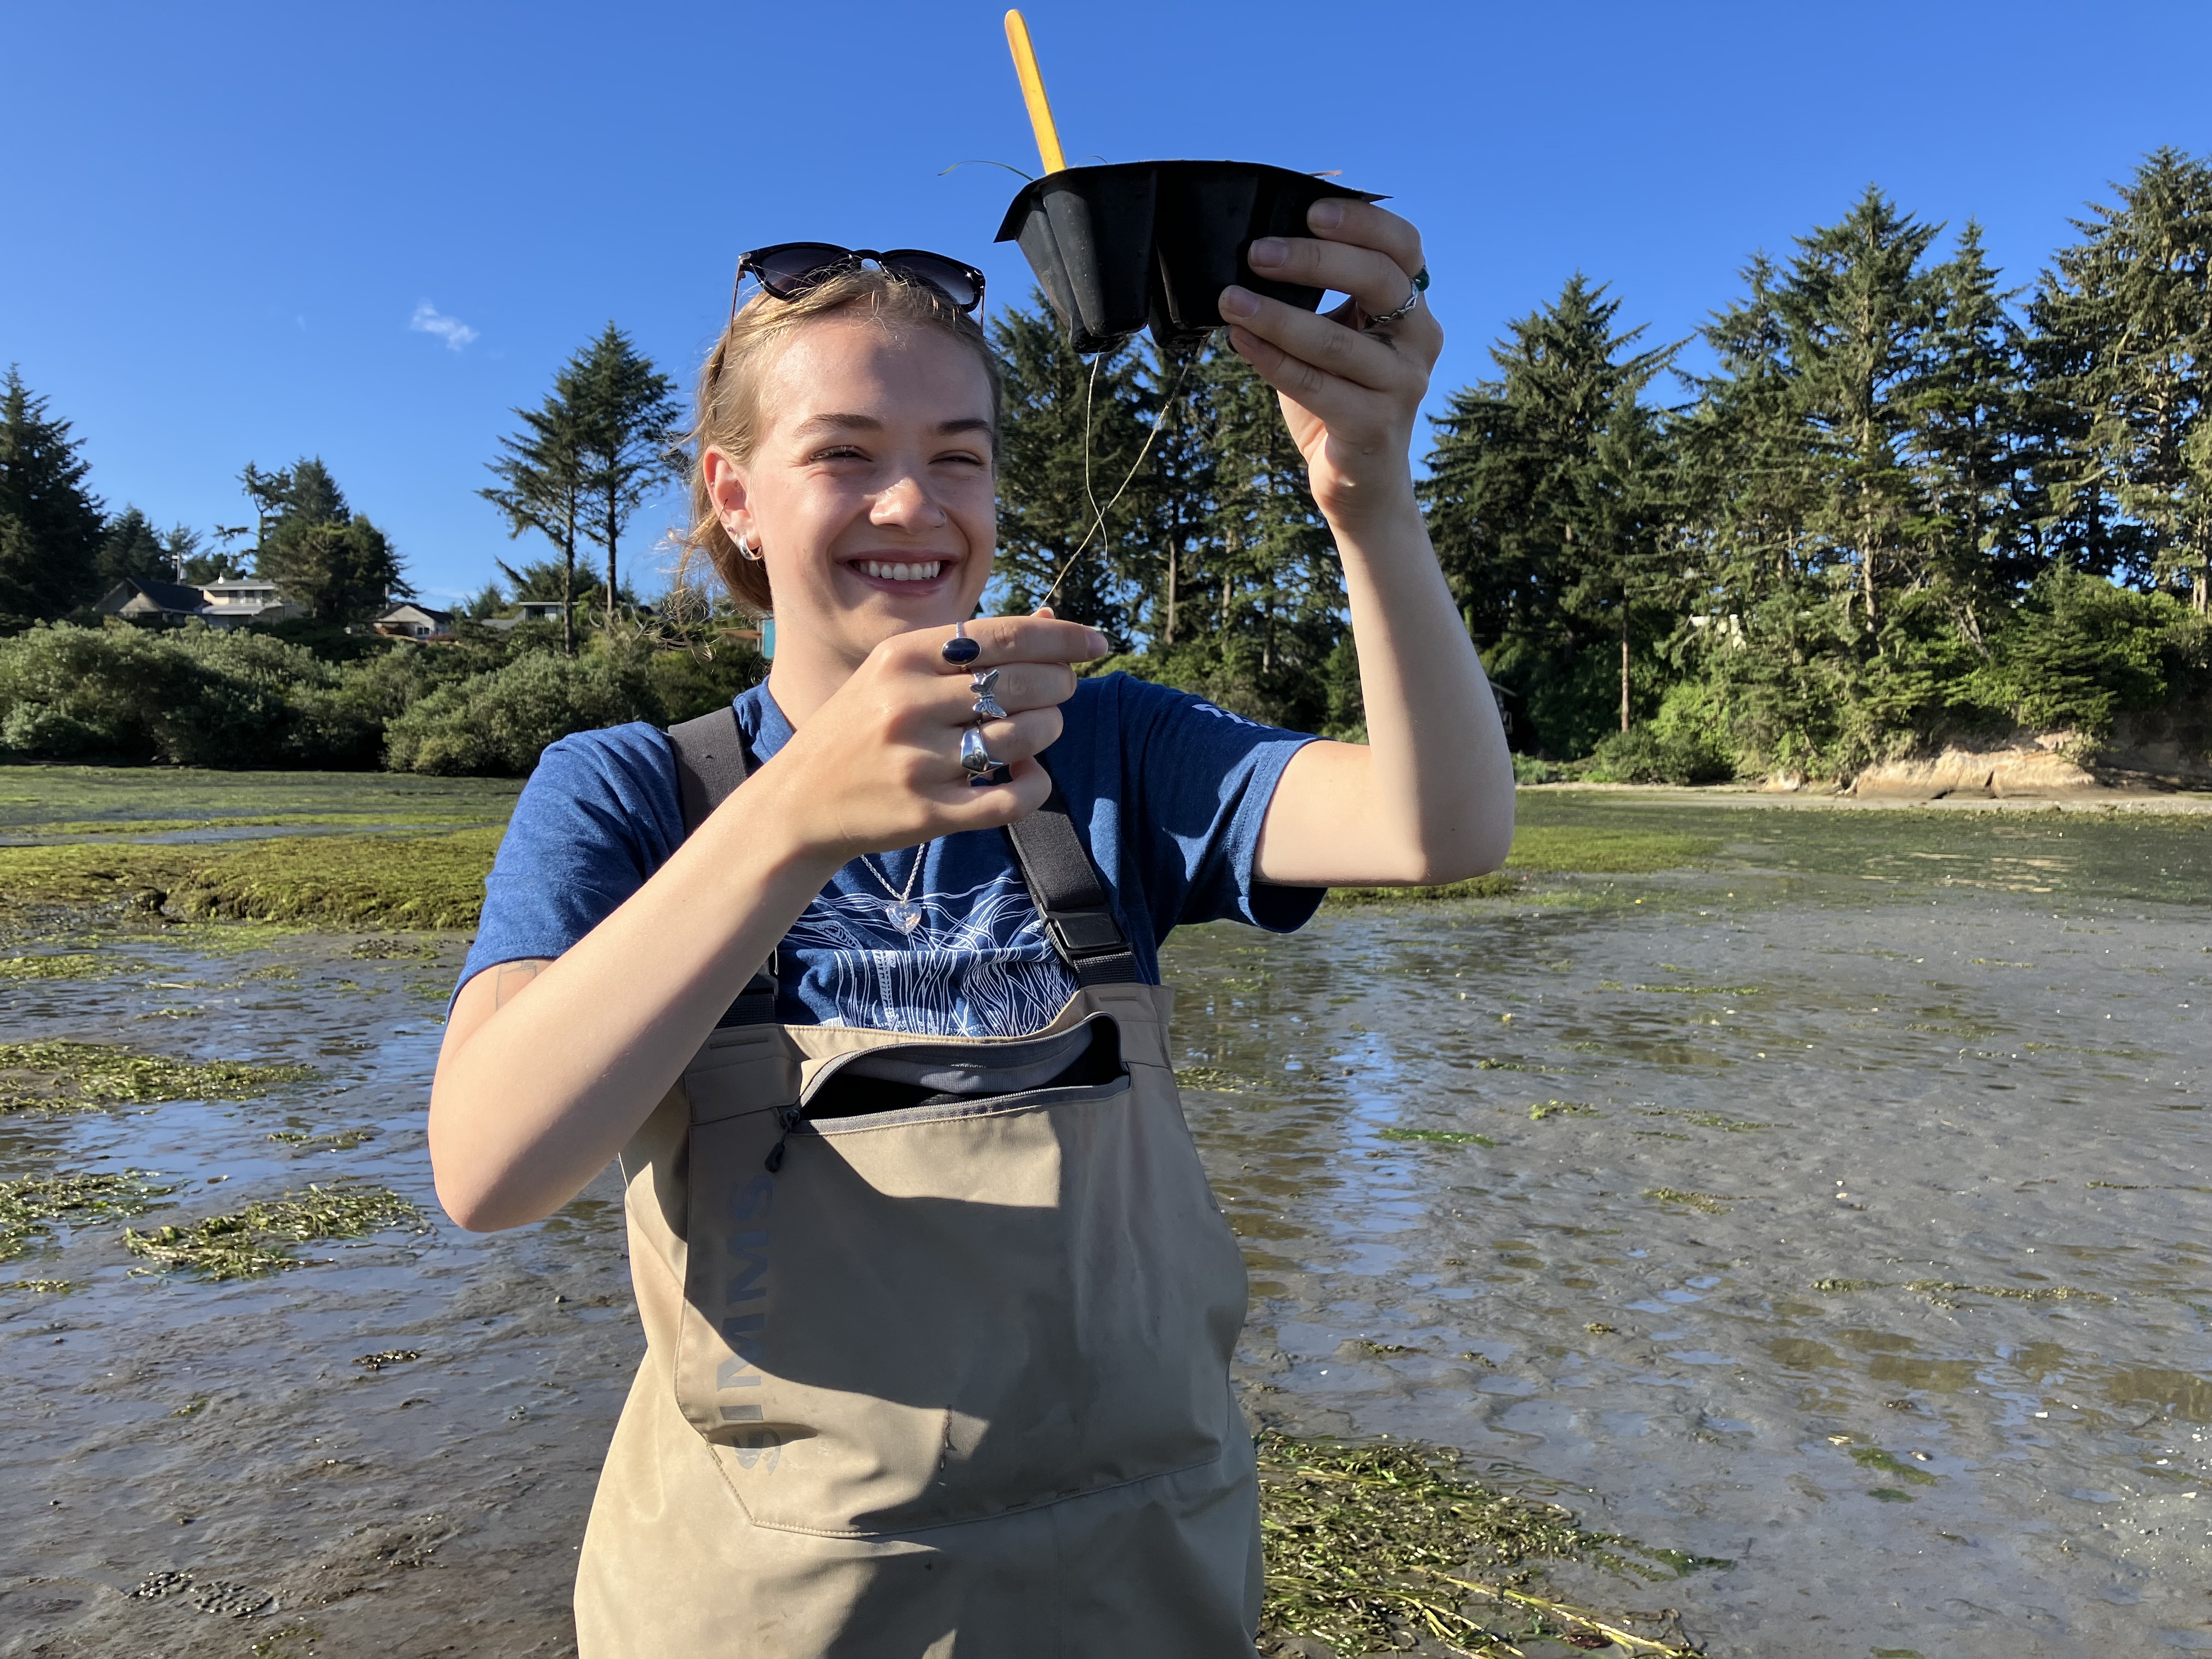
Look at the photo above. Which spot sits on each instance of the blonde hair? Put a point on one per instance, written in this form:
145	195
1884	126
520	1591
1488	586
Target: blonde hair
728	415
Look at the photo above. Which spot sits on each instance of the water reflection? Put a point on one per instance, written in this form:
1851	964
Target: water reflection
1849	1231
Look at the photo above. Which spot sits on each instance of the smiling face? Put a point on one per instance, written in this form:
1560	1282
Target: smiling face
870	492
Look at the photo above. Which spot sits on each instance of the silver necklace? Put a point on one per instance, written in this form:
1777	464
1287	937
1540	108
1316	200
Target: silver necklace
904	913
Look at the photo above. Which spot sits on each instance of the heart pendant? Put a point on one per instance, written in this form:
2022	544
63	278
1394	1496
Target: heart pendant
906	914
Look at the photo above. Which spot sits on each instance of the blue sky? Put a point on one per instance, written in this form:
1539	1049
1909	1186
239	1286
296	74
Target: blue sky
223	222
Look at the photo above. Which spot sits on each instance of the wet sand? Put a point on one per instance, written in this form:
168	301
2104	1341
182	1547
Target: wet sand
1736	1115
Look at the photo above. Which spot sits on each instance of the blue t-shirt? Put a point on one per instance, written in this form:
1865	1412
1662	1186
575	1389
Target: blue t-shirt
1167	792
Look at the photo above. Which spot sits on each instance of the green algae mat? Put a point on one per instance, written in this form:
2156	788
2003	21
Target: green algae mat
1373	1547
372	850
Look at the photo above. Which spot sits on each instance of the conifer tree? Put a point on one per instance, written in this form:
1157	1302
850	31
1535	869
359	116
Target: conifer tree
52	525
1070	434
320	552
1853	311
133	549
1966	404
1175	492
628	427
1747	477
1548	504
2126	317
543	479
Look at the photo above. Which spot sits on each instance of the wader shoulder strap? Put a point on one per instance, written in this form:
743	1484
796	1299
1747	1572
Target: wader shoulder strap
710	764
1070	896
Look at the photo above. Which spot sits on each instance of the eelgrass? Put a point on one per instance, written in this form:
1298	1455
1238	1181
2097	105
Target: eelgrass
55	964
327	881
84	1076
1709	1203
1369	1544
30	1207
259	1239
1556	849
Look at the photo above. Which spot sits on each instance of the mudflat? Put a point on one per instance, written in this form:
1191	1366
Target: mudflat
1811	1204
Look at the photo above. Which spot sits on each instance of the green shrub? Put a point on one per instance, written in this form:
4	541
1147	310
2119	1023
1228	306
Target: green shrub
1644	754
687	684
190	696
1529	769
2079	652
499	722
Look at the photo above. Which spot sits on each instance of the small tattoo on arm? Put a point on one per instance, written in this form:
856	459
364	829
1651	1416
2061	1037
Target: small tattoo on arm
508	979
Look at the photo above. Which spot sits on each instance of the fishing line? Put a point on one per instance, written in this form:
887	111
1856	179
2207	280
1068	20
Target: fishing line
1099	513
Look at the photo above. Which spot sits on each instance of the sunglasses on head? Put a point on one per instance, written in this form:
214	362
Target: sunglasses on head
788	269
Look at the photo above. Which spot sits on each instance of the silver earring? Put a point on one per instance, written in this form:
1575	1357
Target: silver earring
750	549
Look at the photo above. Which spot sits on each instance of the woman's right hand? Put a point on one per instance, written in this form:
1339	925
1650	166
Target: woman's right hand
878	766
543	1075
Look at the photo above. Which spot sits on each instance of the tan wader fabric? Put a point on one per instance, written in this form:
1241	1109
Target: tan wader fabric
953	1381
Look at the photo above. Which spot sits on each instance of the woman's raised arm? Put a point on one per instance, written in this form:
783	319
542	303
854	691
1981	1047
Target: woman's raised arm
1429	798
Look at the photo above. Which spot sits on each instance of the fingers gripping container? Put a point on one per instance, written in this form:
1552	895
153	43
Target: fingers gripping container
1151	244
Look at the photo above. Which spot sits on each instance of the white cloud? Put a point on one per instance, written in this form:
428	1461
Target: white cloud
428	319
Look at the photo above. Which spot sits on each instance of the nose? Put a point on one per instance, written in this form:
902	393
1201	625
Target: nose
907	504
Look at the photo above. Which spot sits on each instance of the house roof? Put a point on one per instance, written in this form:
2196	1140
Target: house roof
170	596
407	608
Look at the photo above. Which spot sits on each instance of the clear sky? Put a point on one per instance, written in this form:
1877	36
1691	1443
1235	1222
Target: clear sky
223	223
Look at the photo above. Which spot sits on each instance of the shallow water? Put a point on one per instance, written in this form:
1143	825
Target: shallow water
1955	1079
1885	1047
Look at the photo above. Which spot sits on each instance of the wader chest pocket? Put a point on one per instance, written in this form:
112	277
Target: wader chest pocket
983	1276
880	1087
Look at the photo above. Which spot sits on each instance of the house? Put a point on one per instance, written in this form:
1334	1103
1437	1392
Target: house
407	620
143	599
238	599
219	605
527	611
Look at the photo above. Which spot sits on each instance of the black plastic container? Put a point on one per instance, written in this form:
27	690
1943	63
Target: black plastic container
1151	244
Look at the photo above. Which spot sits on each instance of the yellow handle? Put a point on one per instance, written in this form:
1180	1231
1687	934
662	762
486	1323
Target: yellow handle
1048	136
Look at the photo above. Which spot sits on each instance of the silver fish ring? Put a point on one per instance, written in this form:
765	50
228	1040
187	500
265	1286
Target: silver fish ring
982	767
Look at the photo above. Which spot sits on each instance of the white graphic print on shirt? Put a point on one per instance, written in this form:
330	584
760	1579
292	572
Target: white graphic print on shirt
977	964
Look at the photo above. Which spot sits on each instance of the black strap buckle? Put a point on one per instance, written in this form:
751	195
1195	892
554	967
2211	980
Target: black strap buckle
1080	934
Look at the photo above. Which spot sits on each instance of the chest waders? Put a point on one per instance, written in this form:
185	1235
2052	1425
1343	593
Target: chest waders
937	1334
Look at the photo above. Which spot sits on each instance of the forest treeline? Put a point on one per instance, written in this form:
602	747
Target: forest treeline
1897	503
1905	503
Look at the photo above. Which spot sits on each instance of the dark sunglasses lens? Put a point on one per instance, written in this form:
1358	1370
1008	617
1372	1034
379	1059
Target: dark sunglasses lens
787	272
955	281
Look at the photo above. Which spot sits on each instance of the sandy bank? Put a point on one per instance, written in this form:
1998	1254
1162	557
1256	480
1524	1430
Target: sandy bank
2094	797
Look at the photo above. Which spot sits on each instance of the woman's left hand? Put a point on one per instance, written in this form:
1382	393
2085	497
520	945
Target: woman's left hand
1350	395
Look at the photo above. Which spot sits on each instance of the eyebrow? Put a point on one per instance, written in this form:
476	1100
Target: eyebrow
870	423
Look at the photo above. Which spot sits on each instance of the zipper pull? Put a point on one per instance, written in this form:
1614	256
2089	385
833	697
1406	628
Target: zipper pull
790	1117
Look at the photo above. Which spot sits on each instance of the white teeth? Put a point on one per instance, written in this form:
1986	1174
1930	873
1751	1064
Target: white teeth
901	572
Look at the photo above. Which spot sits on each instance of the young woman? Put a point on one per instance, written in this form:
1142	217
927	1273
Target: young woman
860	983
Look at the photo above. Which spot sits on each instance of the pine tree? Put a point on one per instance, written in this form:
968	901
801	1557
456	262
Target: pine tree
1853	313
1548	501
1279	591
134	549
1747	479
1174	492
628	427
2127	317
1964	410
51	527
544	481
1069	434
320	552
